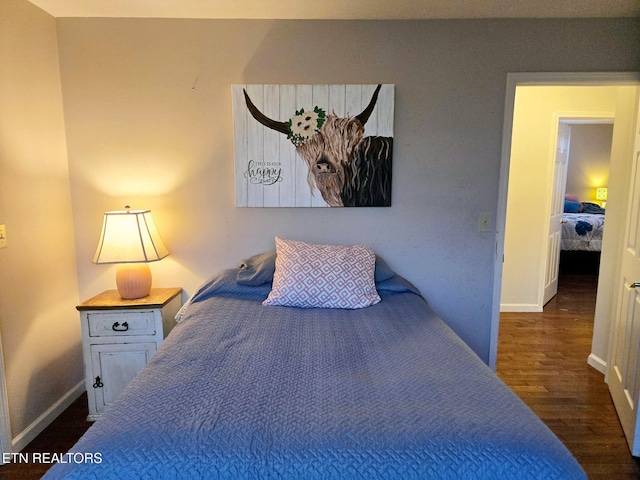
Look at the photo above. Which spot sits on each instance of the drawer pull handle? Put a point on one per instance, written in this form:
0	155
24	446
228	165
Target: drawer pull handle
98	383
117	328
635	285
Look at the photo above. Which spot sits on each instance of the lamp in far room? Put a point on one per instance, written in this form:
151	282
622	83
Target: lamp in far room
130	238
601	195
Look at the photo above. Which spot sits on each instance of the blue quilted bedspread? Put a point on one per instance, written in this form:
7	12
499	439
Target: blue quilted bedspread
239	390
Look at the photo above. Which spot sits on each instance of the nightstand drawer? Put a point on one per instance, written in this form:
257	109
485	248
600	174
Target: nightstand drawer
119	324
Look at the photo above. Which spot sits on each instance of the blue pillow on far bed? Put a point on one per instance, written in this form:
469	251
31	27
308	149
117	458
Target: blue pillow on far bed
571	207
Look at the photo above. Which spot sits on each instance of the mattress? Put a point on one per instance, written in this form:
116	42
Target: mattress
239	390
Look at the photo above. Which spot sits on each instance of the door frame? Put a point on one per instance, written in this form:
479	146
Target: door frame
568	118
514	80
6	446
625	305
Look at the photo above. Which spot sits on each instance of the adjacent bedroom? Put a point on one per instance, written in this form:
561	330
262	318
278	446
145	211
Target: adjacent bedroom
585	200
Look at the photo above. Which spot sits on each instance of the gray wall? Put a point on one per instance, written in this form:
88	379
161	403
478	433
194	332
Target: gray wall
148	122
589	158
38	287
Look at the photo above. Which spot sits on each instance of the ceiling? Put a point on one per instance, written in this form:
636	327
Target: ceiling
341	9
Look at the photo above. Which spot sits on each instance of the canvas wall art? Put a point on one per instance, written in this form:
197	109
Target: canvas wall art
313	145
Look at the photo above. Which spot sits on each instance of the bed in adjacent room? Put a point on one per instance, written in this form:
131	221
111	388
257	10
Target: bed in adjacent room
582	227
317	363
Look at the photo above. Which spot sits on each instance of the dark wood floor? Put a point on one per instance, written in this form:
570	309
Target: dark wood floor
57	438
543	358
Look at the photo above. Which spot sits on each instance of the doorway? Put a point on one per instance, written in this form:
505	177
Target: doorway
581	172
544	177
539	157
587	179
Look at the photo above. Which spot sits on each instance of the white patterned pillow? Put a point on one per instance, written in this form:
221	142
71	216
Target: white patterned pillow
323	276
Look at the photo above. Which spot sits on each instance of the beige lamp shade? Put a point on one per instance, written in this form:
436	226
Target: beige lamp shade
130	237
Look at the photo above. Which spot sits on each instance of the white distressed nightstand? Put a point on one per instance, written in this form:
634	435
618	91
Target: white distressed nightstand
119	337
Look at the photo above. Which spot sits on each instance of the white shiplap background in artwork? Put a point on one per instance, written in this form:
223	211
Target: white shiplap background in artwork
268	171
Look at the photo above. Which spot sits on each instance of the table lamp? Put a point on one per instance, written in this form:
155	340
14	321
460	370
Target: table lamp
130	238
601	195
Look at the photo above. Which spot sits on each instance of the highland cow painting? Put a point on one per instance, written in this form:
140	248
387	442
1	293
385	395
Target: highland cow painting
313	145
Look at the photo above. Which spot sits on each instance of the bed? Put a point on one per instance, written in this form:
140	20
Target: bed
583	230
242	389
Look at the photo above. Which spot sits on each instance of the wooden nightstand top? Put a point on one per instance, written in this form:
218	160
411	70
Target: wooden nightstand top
110	300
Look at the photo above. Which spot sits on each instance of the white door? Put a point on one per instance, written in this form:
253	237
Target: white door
623	367
552	266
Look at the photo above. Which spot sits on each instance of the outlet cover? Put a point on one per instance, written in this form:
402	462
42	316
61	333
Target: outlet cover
484	222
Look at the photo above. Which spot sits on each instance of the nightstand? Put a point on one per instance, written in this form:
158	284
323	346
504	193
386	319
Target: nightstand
119	337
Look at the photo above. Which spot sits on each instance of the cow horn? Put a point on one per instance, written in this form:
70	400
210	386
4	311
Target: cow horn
263	119
366	113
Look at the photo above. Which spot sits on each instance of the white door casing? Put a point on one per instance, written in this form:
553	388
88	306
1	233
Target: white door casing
5	424
623	365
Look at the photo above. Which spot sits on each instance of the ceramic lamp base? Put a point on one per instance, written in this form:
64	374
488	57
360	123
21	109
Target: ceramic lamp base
133	280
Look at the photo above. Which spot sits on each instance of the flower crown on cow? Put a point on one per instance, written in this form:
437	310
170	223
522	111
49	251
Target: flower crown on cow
304	125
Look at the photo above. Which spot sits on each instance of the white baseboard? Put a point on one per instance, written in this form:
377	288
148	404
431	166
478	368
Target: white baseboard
43	421
520	307
597	363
